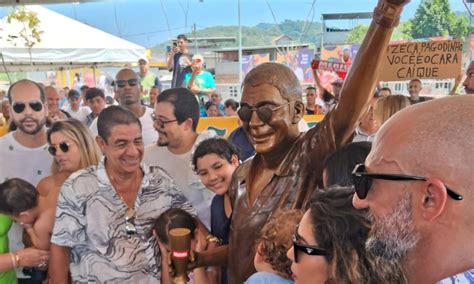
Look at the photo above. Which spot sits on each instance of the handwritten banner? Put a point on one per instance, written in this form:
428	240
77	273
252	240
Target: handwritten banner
422	60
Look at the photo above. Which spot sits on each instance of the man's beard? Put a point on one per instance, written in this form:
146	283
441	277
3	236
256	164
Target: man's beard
161	143
39	125
393	236
129	99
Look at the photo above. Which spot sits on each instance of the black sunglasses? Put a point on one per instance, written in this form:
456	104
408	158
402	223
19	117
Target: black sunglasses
264	113
363	181
19	107
63	146
130	228
122	83
307	249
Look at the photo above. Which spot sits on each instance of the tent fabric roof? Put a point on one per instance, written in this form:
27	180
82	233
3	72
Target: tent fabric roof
65	42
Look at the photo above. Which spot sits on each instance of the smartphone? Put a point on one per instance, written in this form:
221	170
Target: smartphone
175	44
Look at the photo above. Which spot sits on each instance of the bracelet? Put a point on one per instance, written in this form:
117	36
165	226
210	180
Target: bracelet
211	238
17	259
13	260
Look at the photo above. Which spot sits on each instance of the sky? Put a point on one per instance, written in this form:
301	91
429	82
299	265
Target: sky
150	22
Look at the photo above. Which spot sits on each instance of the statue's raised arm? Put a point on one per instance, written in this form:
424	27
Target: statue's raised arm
362	78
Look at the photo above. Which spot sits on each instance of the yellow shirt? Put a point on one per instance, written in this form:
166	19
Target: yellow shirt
3	126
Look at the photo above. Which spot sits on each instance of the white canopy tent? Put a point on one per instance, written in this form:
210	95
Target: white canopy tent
65	43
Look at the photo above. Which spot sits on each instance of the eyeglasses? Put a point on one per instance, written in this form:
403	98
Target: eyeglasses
19	107
161	123
63	146
307	249
363	181
264	113
130	228
122	83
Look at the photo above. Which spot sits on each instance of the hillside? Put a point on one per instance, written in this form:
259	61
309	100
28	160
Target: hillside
261	34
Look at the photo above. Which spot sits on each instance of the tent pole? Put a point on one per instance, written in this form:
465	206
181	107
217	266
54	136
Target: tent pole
5	68
68	77
93	72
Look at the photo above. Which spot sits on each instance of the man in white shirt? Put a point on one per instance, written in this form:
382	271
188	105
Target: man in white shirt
176	118
23	153
127	90
75	109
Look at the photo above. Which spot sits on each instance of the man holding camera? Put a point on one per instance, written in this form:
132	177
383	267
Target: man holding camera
179	61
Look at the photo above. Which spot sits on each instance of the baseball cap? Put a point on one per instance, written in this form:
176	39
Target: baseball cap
198	57
144	59
73	94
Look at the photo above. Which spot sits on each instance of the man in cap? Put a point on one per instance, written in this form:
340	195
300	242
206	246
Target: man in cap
148	79
75	109
200	82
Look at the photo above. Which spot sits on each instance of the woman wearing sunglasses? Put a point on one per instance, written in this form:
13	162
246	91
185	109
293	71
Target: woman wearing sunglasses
73	149
329	244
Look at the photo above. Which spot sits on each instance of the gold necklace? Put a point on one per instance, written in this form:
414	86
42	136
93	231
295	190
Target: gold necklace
131	211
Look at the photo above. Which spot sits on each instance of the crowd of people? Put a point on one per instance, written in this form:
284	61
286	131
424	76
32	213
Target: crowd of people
91	192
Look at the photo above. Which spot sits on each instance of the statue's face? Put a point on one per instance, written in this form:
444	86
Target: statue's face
270	133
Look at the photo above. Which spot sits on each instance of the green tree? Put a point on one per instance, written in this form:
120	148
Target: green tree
357	34
402	32
435	18
30	33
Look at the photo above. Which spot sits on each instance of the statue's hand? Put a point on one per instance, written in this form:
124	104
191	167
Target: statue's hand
387	13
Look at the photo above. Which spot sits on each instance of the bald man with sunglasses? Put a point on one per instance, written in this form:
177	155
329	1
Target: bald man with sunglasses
127	92
417	183
23	153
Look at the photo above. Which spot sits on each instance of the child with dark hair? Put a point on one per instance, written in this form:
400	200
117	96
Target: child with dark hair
271	262
215	160
177	218
212	109
18	202
230	107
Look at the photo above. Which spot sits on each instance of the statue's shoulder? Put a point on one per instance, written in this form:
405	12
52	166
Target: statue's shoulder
240	174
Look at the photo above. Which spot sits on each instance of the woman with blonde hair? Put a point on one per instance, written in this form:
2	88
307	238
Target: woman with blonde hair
388	106
73	148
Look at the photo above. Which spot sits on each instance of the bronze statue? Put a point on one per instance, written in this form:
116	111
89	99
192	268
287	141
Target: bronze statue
288	165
